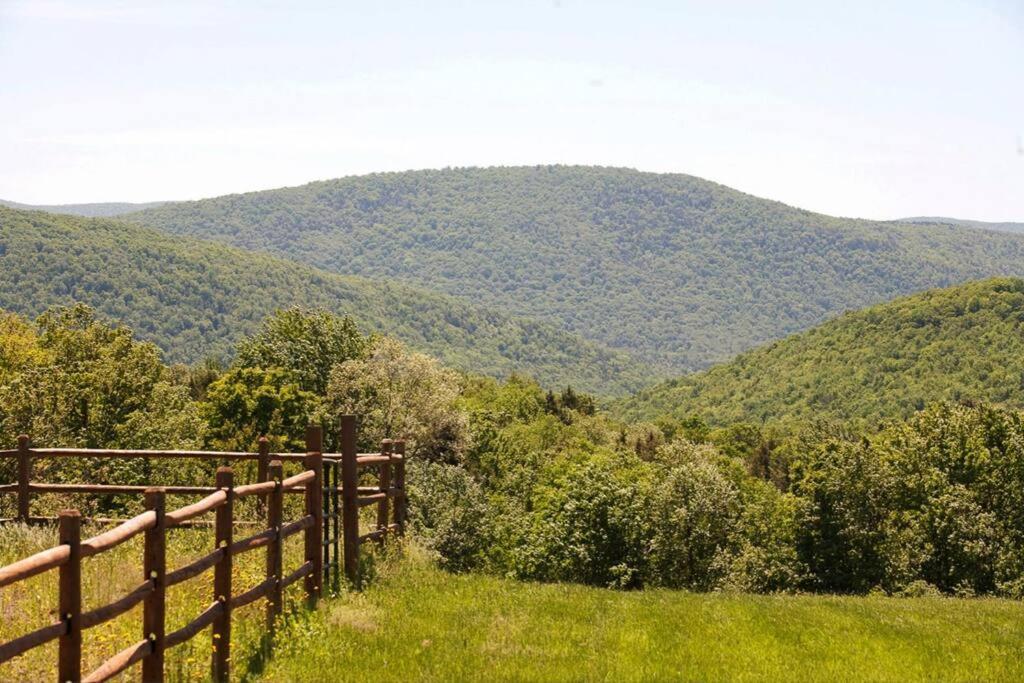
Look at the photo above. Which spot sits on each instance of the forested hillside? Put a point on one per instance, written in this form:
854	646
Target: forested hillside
679	270
960	343
196	299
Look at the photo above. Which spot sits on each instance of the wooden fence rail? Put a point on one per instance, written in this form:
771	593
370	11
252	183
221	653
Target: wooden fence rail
326	528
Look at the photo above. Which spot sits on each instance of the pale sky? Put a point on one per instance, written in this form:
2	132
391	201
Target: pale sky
854	108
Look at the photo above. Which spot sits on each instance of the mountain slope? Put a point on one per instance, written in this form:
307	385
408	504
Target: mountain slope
679	270
964	342
96	210
195	299
981	225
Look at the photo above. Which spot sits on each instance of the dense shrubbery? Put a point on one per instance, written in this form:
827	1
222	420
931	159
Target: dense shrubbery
936	499
508	478
931	504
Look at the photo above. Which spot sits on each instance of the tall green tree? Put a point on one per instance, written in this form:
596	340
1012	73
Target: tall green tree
307	343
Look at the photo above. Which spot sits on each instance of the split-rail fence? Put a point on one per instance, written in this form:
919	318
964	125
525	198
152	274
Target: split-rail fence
332	540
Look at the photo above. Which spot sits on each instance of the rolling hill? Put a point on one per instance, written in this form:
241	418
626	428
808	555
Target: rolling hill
980	225
676	270
195	299
960	343
95	210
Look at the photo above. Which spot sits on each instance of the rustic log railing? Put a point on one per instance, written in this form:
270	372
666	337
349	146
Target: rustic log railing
325	526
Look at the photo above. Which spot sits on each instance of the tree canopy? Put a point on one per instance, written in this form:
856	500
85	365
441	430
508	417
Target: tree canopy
958	343
675	270
195	300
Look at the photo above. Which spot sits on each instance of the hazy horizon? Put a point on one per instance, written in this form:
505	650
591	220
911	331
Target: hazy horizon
868	111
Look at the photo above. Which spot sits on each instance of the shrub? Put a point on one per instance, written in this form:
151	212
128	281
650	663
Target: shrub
448	512
589	525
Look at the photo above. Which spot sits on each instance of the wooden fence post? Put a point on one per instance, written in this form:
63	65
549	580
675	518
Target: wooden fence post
262	468
221	665
314	507
400	500
24	475
274	550
69	663
383	484
154	606
349	497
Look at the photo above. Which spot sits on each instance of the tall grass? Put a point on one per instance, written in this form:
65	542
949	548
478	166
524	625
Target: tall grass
30	604
416	623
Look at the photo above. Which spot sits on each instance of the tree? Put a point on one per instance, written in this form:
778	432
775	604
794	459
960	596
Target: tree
402	395
246	403
306	343
88	377
695	510
589	525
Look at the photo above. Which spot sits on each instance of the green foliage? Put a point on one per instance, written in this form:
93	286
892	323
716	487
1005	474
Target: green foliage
305	343
960	343
71	380
427	625
677	270
936	499
508	478
449	514
247	403
88	378
196	300
694	515
401	395
588	527
94	209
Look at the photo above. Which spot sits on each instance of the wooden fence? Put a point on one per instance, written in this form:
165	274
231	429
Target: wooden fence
326	526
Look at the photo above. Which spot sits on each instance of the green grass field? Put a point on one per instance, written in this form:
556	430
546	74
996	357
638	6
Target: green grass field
415	623
30	604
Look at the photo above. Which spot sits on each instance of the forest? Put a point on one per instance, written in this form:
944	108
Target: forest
677	271
886	361
195	300
509	478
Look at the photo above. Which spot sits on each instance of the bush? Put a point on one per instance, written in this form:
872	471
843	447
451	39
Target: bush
694	514
448	512
589	525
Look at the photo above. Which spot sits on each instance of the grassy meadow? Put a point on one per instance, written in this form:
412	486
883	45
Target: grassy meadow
30	604
416	623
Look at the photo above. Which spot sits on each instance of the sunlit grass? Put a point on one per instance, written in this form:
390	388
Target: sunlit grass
415	623
30	604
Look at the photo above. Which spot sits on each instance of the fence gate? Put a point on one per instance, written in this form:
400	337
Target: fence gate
333	561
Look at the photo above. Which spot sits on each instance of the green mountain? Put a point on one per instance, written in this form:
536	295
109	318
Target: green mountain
96	210
677	270
981	225
195	298
961	343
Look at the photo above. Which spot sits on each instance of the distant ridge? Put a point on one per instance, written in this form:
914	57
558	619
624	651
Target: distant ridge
196	299
981	225
886	361
678	271
96	210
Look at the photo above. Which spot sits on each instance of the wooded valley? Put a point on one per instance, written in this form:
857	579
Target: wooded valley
880	452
